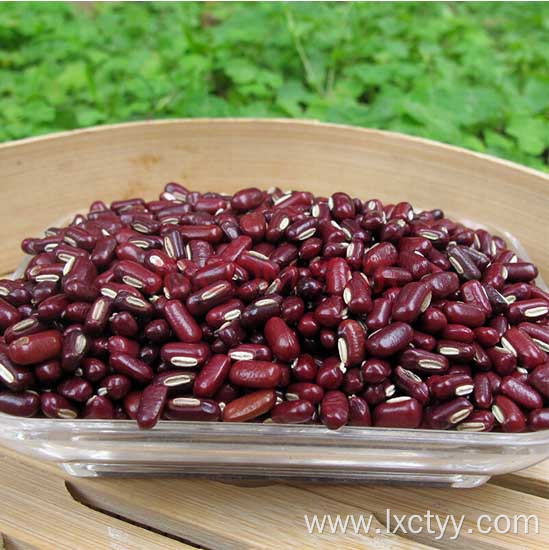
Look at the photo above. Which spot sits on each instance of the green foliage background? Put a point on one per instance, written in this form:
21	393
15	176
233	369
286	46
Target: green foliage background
470	74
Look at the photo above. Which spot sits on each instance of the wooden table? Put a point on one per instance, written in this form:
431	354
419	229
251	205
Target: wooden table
43	179
41	507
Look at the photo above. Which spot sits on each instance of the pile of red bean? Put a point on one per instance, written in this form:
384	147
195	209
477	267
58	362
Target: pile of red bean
275	307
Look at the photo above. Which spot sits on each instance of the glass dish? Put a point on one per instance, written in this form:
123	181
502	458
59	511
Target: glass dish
272	452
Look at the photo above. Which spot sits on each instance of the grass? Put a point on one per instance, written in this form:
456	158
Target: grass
469	74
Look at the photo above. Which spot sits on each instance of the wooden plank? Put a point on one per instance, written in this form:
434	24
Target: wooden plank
208	514
37	511
533	480
471	503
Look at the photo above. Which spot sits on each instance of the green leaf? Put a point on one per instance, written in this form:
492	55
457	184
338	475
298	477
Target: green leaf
531	134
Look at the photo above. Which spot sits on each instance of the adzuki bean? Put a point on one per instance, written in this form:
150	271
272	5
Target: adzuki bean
268	306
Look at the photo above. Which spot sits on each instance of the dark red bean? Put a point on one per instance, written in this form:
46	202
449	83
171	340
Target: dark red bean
184	355
447	386
359	412
523	348
389	340
76	389
98	407
521	393
25	403
399	412
411	384
375	371
446	415
305	390
210	296
538	419
151	405
293	412
249	406
521	272
379	255
36	348
508	415
130	366
458	333
93	369
334	410
457	351
351	342
477	421
433	321
413	299
357	295
182	323
282	339
379	315
539	379
304	368
115	386
54	405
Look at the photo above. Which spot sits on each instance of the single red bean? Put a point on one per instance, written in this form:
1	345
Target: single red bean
305	390
521	393
151	405
304	368
210	296
389	340
523	348
464	314
448	414
249	406
293	412
250	352
458	351
379	255
538	419
192	409
503	361
451	385
433	321
359	412
131	403
54	405
292	309
508	414
35	348
282	339
486	336
182	322
379	315
76	389
185	355
539	379
458	333
255	374
521	272
176	381
483	391
411	384
351	342
25	403
98	407
375	371
399	412
130	366
413	299
115	386
477	421
212	376
334	410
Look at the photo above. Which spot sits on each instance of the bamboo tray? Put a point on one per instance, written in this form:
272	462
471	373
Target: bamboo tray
44	178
